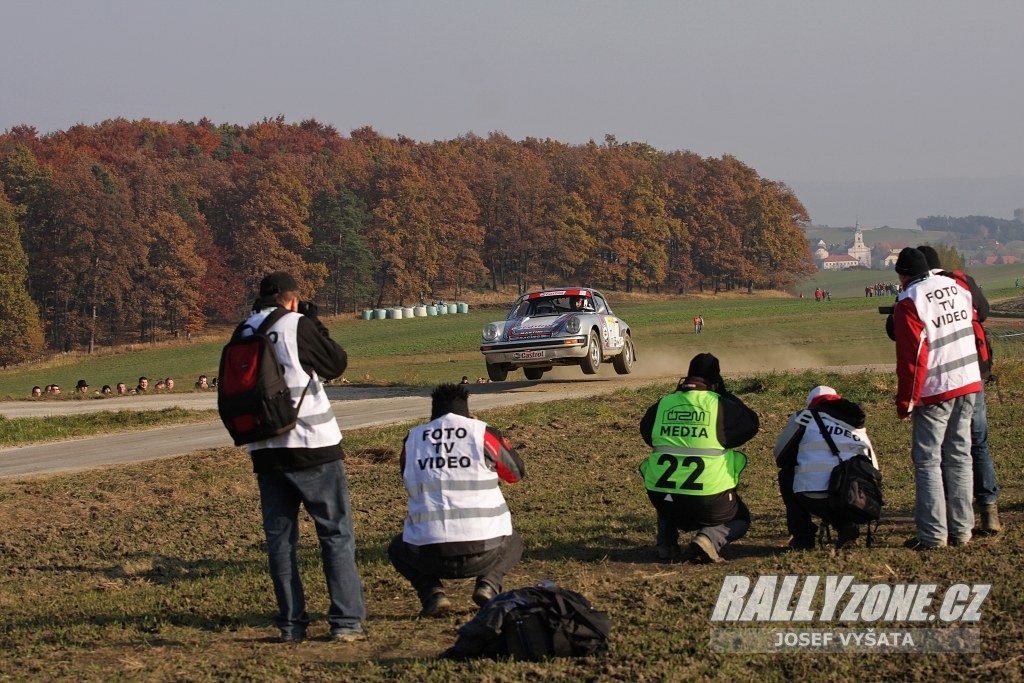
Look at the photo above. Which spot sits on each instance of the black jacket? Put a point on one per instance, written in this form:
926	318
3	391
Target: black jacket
317	352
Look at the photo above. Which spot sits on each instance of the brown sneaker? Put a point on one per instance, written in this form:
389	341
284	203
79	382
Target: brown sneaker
990	519
348	635
704	550
436	605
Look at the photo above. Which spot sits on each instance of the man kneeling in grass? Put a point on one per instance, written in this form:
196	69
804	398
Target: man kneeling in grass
458	525
805	456
694	468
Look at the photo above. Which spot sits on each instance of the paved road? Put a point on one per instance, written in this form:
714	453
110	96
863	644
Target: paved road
355	407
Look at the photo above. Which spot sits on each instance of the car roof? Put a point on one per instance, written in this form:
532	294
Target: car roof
577	291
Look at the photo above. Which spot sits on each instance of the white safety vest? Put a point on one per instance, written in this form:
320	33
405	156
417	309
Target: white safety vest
947	311
453	492
814	459
316	427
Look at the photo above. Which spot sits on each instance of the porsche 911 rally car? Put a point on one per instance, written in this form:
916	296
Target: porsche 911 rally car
557	327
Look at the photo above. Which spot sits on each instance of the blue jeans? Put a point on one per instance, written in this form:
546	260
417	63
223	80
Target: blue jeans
323	491
985	489
943	473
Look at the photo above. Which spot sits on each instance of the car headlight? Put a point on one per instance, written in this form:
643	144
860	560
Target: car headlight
573	326
490	332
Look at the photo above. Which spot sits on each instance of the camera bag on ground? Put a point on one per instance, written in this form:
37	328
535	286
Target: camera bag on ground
253	398
533	624
854	487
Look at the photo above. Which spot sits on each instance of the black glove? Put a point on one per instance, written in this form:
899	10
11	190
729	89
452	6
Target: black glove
308	309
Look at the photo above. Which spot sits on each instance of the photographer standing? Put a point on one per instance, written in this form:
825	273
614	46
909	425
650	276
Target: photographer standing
938	380
304	467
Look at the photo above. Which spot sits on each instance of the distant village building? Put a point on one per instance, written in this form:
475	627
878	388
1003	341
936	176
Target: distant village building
860	251
820	252
839	262
886	253
890	260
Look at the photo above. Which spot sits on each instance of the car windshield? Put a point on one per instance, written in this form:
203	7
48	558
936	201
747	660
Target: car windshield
551	305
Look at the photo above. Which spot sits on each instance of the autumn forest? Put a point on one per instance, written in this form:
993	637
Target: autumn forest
131	231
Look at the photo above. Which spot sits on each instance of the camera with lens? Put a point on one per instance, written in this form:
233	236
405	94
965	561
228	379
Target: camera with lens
886	310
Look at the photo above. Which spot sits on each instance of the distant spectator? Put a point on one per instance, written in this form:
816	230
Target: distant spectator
37	392
169	383
465	380
202	383
81	390
106	390
161	385
142	386
213	382
121	389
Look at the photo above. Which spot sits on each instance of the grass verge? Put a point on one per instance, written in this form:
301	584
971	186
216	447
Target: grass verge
156	571
28	430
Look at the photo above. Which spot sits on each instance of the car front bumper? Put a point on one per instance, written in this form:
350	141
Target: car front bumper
536	352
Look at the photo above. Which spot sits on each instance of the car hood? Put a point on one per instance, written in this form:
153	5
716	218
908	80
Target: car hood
536	328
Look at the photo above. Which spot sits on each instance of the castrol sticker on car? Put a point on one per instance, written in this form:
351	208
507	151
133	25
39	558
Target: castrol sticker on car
527	355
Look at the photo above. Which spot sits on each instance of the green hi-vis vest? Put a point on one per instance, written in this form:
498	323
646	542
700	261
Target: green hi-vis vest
687	457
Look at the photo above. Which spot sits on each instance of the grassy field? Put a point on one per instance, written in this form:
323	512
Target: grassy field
757	332
156	571
22	431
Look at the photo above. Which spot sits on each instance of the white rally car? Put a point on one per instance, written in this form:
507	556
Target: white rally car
557	327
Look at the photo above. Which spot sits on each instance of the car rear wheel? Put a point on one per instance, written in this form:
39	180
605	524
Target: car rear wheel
497	372
533	373
592	362
624	361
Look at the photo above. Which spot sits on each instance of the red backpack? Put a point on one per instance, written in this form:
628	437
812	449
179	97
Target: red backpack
253	398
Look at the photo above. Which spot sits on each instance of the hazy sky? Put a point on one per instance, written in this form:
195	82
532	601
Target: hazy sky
802	90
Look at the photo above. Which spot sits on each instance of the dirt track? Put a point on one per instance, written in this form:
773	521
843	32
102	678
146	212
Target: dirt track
355	407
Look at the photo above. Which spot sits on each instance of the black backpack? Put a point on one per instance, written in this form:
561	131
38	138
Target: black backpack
855	491
533	624
854	487
253	398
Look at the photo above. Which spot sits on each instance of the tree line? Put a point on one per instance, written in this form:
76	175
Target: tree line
131	230
982	227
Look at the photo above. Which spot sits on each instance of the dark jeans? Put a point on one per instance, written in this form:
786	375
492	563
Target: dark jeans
985	489
426	571
323	491
801	510
692	513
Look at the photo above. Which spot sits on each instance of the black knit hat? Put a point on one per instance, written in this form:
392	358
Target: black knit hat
706	367
277	283
911	263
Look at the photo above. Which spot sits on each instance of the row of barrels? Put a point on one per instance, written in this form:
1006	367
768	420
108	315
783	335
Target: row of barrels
414	311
